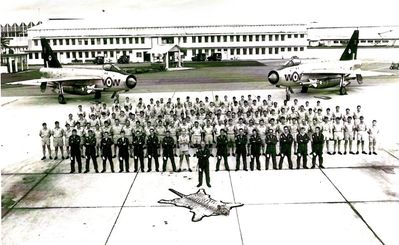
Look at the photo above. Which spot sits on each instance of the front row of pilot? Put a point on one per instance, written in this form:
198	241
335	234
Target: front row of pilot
168	145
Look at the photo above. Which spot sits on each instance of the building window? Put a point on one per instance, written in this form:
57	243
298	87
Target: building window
105	41
231	38
93	54
80	54
270	38
263	50
66	41
250	50
193	39
36	42
295	49
200	39
194	51
289	49
250	38
244	38
98	41
244	51
111	41
257	38
142	40
206	39
263	38
54	41
270	51
218	39
212	39
184	39
276	50
168	40
224	38
302	35
237	38
238	51
74	55
138	54
301	49
111	54
256	50
124	40
130	40
282	49
295	35
36	56
276	37
73	41
225	50
232	51
93	41
68	55
30	56
86	54
86	42
136	40
282	37
289	35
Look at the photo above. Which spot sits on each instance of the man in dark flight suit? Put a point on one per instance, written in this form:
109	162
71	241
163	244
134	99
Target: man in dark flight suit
271	141
317	147
255	143
203	155
123	151
221	146
90	145
74	144
286	140
138	144
106	150
152	150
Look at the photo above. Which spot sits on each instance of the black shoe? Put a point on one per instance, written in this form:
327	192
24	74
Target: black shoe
212	155
50	157
80	171
234	154
363	152
375	153
297	167
96	170
195	155
236	169
305	167
127	171
369	152
112	171
55	158
199	185
175	155
67	157
228	154
209	185
334	153
103	171
344	152
136	171
217	170
149	170
157	170
340	153
245	169
97	155
113	156
313	166
329	153
43	158
189	170
351	152
72	171
228	170
295	153
86	171
321	166
357	153
179	170
142	170
120	170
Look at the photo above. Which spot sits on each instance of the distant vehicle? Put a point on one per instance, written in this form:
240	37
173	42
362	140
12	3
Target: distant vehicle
79	81
99	60
215	57
199	57
124	59
394	66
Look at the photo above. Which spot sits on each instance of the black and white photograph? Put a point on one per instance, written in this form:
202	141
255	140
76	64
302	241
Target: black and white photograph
199	122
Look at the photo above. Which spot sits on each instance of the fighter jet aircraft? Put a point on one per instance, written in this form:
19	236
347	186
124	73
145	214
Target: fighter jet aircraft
81	81
321	74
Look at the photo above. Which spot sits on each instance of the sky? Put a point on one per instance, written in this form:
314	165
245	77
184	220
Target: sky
202	12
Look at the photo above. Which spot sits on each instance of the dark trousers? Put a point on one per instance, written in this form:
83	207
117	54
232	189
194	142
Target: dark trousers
137	158
226	164
201	172
75	155
124	158
108	157
300	155
282	155
91	155
165	160
317	155
273	157
253	158
240	154
156	162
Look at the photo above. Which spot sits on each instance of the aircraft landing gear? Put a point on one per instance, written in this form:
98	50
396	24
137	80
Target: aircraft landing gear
97	95
288	90
304	89
342	87
61	98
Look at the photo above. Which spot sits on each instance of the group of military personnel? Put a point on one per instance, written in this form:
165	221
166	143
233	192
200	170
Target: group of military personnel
240	127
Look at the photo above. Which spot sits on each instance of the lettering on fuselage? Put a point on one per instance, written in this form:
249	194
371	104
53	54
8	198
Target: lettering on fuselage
110	83
294	77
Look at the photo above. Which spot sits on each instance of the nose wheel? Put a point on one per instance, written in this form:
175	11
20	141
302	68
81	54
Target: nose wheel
61	99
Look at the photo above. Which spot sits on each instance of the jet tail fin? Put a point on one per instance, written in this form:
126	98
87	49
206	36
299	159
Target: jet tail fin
49	57
350	52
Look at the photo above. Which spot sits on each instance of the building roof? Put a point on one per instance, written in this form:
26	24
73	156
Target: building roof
164	49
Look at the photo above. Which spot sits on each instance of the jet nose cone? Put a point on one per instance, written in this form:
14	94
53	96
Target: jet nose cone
131	82
273	77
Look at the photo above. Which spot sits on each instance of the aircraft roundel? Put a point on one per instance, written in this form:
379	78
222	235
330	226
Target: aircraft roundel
295	76
49	57
108	82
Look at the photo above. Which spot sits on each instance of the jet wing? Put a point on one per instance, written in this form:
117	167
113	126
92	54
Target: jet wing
329	73
66	81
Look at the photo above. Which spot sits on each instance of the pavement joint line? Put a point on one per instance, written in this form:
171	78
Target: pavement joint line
33	187
167	206
234	199
392	155
285	169
121	207
9	102
353	208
